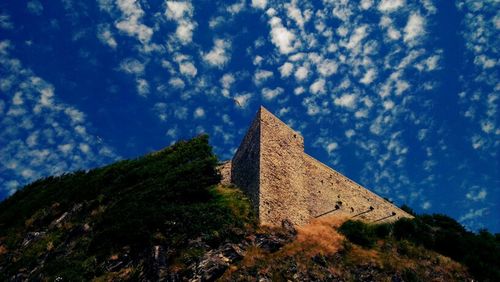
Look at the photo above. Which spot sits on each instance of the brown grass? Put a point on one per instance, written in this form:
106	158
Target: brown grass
253	254
318	237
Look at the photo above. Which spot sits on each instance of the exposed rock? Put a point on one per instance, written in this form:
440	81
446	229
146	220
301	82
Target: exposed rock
270	242
215	262
32	237
211	267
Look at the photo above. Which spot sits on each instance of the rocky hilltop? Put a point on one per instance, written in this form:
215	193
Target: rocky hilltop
166	217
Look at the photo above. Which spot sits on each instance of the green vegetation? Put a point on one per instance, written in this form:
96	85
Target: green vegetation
479	252
359	233
166	198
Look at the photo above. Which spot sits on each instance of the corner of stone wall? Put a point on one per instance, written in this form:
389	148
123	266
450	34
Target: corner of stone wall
224	169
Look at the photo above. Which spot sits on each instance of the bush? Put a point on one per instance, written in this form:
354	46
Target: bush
359	233
404	228
383	230
479	252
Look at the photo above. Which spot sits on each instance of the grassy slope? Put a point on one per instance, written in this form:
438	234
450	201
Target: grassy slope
117	214
321	253
162	199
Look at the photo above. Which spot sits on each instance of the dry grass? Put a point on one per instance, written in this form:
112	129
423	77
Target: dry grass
253	254
318	237
319	251
322	233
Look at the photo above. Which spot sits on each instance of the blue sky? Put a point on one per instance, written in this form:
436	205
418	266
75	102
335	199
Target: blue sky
401	96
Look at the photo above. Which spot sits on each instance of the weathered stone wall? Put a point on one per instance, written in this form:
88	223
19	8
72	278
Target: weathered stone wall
285	183
331	193
282	193
225	172
245	171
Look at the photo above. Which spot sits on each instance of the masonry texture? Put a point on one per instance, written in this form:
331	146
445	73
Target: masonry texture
285	183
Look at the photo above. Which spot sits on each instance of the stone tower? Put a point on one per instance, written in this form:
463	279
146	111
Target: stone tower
268	166
285	183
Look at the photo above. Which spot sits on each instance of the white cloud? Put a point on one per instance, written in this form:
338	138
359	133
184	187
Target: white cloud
295	14
177	83
257	61
318	87
181	112
355	40
5	22
261	76
327	67
35	7
236	7
281	37
243	99
476	194
132	66
227	80
188	68
393	33
219	55
477	142
346	100
422	133
65	148
388	105
426	205
259	4
415	27
473	214
178	10
105	36
17	99
172	133
75	115
349	133
299	90
485	62
432	62
30	143
85	148
366	4
302	73
199	112
142	87
270	94
330	147
181	12
130	22
286	69
369	76
106	5
390	5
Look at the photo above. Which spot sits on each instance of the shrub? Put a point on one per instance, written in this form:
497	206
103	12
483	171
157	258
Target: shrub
383	230
404	228
359	233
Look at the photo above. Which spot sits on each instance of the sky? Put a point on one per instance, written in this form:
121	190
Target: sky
401	96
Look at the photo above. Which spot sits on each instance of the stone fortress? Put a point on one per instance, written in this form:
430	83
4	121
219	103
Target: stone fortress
284	183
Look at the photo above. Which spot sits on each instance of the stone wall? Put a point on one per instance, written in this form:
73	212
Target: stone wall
331	193
282	194
285	183
225	172
245	171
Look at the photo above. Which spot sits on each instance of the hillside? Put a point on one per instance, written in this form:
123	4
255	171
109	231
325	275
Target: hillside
165	217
